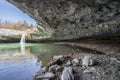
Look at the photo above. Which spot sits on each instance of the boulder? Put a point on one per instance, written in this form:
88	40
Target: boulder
75	62
67	74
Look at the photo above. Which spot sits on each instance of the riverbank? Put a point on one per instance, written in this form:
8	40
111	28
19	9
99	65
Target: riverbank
81	67
98	60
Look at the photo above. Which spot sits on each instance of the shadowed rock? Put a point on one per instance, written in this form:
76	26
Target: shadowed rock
73	19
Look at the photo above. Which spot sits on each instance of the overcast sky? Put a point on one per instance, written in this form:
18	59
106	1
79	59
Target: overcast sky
11	13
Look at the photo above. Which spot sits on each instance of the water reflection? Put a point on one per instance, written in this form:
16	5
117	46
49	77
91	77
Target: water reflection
22	48
14	65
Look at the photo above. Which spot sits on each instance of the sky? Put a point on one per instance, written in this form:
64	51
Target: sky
11	13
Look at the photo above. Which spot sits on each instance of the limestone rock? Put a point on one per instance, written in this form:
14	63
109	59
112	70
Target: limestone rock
75	62
108	69
45	76
87	61
73	19
55	68
67	74
8	34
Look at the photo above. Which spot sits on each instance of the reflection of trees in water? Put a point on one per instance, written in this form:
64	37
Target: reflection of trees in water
15	55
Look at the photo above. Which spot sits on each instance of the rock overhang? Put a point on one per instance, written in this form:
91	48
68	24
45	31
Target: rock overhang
74	19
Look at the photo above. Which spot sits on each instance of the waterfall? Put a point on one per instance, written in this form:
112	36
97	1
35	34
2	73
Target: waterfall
22	43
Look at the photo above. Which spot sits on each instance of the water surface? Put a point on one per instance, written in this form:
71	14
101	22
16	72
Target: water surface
16	64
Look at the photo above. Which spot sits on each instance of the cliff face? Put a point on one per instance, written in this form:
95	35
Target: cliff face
74	19
9	35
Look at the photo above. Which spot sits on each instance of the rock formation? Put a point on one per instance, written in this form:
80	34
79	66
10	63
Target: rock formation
103	67
74	19
8	34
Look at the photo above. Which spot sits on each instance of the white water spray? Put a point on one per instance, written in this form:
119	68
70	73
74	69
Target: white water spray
22	43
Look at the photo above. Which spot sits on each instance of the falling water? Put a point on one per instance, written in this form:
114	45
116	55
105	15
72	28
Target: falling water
22	43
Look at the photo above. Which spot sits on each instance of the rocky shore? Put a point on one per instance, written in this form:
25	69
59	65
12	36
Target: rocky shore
81	67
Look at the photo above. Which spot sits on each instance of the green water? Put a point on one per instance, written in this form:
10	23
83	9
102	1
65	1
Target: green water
18	65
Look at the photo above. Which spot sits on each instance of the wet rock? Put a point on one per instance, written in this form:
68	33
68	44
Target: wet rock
67	74
45	76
